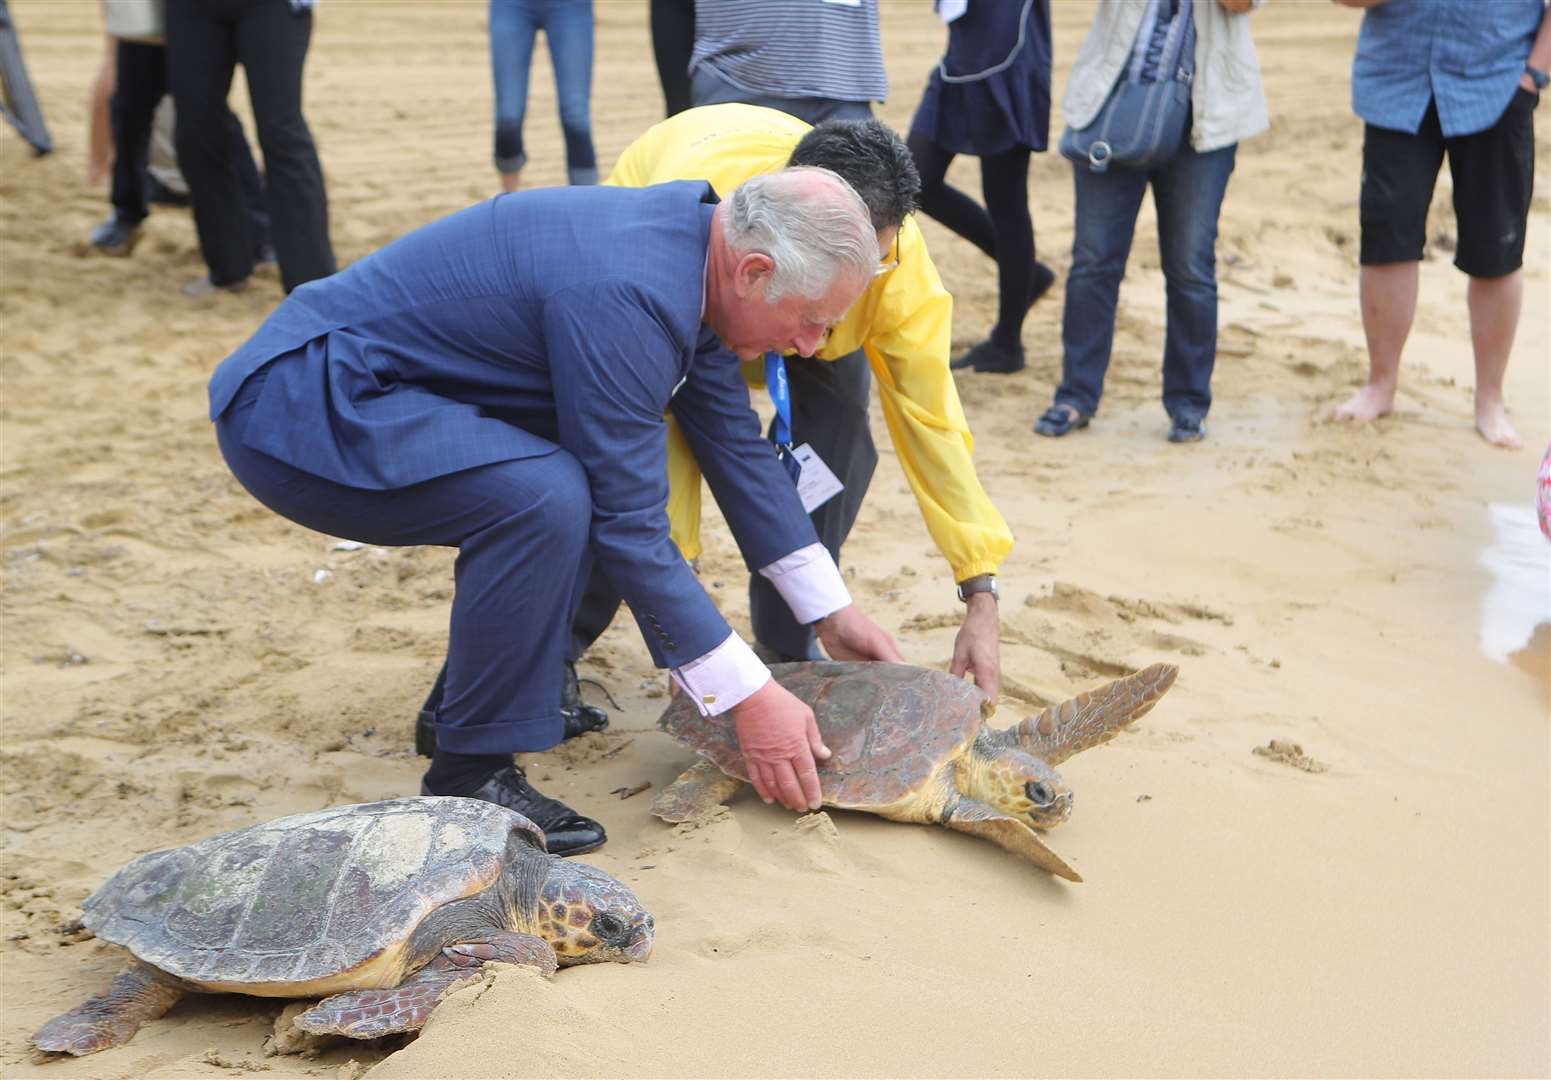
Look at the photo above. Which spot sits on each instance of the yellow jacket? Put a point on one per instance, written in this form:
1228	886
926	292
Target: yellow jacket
903	321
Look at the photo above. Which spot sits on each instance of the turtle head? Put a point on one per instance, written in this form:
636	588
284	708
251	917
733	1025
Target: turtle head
1017	783
589	917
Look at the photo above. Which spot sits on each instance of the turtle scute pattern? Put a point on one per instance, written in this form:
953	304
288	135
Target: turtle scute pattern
306	896
888	732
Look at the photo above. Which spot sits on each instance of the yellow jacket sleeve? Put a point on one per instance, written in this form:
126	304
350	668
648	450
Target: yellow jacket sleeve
904	322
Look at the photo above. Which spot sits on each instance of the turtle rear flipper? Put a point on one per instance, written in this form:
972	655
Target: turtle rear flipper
370	1014
1095	717
136	996
989	823
698	793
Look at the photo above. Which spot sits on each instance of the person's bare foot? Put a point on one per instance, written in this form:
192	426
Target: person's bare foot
1369	403
1492	423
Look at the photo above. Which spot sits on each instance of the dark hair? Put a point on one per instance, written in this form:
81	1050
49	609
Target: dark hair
872	159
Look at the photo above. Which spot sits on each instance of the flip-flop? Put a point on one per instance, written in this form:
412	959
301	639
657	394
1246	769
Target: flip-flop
1059	420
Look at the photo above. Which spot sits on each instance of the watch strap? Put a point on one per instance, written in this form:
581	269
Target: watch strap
980	583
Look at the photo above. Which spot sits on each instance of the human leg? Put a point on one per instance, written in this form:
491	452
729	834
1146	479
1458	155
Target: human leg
829	412
1004	181
1399	171
503	683
142	81
201	59
673	40
272	41
513	27
568	29
945	203
1494	305
1188	191
99	133
1494	178
1106	208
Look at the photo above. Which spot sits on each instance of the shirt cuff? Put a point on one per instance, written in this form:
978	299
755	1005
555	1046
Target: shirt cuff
809	581
723	677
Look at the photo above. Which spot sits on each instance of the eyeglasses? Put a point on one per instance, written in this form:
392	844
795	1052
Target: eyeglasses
885	266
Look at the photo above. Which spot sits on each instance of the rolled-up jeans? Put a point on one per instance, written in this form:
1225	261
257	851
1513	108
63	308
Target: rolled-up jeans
1188	191
567	26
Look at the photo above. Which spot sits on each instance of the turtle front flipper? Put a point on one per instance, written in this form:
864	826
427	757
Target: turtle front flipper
989	823
697	794
370	1014
1095	717
137	996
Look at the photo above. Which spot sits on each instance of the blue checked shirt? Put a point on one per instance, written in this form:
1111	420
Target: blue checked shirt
1465	54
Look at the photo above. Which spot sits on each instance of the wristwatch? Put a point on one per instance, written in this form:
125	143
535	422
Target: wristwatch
980	583
1538	77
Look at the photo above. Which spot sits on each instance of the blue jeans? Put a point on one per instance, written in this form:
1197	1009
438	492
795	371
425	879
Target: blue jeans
567	25
1188	192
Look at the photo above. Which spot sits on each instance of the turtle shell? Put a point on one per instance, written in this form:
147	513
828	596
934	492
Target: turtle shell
304	897
888	726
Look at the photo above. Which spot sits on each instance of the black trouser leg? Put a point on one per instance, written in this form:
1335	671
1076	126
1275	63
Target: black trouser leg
142	82
600	602
829	412
271	42
201	59
673	40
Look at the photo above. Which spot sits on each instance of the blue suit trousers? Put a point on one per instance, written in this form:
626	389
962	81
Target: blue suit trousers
521	530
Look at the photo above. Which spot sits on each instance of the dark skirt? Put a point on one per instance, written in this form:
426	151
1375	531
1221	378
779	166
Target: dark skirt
991	93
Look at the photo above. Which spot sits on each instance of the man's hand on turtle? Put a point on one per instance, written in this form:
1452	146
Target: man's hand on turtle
779	739
977	650
850	635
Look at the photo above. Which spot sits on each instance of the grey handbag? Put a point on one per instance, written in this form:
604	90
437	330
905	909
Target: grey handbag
1143	121
142	21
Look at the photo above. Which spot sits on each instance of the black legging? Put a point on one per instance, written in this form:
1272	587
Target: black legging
1002	229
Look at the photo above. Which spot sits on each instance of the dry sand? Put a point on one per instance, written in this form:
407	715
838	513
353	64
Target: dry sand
172	669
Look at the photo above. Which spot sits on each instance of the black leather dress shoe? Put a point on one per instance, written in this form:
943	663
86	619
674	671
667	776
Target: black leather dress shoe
565	831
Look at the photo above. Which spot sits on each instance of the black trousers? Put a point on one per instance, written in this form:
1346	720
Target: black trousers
141	85
673	40
829	411
206	39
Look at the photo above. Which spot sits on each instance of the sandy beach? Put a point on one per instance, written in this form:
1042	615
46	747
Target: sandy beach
178	661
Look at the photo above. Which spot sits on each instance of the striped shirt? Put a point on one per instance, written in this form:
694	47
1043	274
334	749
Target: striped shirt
793	48
1467	55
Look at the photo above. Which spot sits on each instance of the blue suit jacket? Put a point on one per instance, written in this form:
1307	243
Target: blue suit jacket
567	317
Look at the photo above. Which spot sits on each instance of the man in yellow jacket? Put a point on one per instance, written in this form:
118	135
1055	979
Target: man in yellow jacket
898	333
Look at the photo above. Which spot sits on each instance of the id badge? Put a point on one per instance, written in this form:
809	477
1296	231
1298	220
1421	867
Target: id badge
817	484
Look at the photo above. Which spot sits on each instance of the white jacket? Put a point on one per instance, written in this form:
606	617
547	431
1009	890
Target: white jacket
1228	102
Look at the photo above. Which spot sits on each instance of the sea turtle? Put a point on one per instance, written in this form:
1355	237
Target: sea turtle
908	745
378	908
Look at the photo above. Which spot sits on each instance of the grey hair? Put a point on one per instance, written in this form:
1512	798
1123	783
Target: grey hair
813	233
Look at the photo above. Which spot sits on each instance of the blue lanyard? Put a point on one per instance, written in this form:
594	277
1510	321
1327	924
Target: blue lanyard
781	394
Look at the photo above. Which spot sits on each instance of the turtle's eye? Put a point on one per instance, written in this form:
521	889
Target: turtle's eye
608	927
1039	793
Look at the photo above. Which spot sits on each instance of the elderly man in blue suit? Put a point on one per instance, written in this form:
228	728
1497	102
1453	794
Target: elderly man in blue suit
497	381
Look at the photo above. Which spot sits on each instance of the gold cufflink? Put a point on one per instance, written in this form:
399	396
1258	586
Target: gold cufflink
709	699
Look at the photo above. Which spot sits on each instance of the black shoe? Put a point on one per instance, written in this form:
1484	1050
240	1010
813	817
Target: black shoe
990	358
565	831
1187	429
1044	277
116	237
1059	420
580	718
